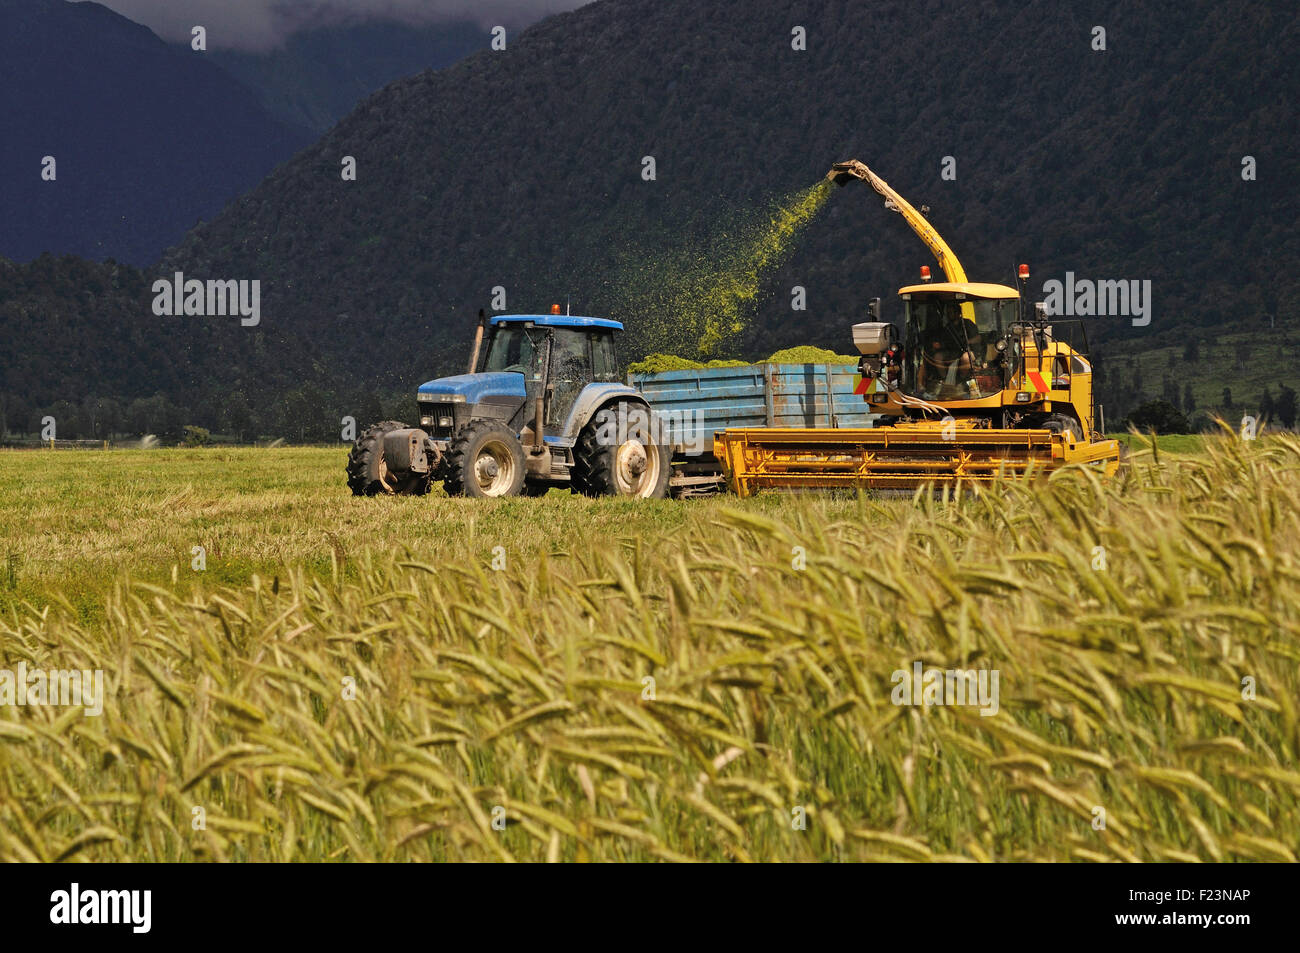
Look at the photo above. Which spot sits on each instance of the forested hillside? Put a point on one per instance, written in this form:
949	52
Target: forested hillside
524	170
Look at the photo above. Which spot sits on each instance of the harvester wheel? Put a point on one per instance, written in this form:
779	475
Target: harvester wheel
368	475
484	459
626	465
1059	423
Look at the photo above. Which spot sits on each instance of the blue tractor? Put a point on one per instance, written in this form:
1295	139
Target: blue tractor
542	406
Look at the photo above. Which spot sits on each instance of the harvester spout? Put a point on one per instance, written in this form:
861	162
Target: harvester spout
842	172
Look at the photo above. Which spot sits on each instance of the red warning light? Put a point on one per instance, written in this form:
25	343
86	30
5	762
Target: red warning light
555	309
925	272
1024	272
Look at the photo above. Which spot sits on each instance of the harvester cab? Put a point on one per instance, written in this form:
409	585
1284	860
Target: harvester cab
969	350
541	407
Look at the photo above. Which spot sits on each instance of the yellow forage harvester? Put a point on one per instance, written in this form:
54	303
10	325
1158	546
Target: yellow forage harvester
979	387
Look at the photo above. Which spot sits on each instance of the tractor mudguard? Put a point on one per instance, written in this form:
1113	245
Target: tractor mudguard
592	398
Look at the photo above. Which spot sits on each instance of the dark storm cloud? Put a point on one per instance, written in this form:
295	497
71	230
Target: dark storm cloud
262	24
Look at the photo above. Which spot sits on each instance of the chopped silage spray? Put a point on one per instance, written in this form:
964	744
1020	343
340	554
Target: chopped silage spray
693	299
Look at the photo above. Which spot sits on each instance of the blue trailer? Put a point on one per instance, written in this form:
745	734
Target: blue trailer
690	406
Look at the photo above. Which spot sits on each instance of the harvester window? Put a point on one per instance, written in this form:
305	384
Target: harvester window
942	350
952	351
1060	373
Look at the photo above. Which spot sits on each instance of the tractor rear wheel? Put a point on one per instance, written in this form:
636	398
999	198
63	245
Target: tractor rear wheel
485	459
368	474
615	456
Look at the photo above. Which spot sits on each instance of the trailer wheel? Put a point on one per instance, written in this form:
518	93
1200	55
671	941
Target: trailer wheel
484	459
626	465
368	475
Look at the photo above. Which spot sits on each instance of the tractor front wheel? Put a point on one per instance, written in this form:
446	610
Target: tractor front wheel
484	459
368	474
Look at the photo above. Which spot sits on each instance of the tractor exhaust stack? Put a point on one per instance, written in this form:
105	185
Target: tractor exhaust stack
478	342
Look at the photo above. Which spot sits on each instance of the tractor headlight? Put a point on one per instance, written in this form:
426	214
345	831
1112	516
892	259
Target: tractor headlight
1023	397
444	421
442	398
426	421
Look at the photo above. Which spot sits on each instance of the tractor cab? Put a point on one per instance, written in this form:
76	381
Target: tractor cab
558	355
554	356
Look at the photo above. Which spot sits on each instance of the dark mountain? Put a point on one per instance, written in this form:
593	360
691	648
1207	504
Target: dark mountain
319	75
147	140
522	169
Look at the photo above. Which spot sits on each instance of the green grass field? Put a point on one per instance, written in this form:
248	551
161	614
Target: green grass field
1177	443
1244	362
571	679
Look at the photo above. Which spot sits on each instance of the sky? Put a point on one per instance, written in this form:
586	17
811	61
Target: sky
264	24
